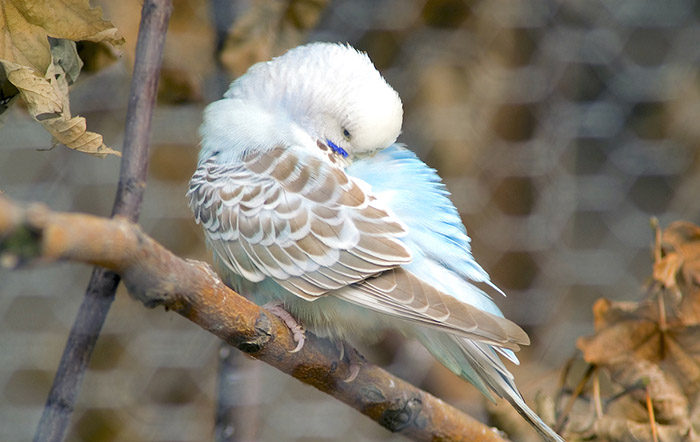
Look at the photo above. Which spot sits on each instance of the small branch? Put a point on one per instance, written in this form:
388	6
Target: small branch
156	277
155	16
132	182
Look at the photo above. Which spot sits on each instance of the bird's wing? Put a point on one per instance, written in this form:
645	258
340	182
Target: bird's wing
400	293
439	243
316	231
295	219
442	258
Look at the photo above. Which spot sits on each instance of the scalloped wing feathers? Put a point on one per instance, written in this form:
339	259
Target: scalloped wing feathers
317	231
295	219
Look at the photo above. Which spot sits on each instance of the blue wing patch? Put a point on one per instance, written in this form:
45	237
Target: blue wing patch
436	237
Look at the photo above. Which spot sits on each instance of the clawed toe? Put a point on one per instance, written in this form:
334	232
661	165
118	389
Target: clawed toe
299	334
354	371
299	338
353	358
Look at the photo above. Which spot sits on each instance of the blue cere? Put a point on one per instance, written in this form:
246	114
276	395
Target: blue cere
337	149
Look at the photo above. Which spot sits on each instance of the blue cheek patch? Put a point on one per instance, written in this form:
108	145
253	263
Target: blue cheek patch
337	149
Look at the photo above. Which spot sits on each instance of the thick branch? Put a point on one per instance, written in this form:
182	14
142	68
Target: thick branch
156	277
132	182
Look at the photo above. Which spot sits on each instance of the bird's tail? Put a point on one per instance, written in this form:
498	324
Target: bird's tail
479	364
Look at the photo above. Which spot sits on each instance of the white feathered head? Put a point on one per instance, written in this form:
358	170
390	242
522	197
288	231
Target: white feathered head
318	92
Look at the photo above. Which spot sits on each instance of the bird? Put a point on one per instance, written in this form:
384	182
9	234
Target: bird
309	205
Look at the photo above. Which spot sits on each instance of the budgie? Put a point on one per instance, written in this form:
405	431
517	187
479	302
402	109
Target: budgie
308	203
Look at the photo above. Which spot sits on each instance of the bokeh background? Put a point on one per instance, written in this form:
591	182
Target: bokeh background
560	128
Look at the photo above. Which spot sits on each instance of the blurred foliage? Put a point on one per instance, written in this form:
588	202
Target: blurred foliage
268	29
646	355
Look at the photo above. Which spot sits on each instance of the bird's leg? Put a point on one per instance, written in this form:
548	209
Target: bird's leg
277	309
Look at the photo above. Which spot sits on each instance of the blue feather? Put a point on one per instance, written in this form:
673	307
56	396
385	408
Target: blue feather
436	236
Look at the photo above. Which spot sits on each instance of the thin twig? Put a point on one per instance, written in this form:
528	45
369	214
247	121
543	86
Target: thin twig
577	392
132	182
596	396
156	277
652	419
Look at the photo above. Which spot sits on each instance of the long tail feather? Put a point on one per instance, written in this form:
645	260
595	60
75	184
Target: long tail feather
479	364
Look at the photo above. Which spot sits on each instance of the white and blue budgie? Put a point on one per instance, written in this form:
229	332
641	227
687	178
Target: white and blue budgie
307	202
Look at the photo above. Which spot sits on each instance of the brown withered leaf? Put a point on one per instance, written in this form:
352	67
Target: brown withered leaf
622	329
25	26
39	69
47	101
668	398
681	243
679	269
626	334
688	311
267	29
682	357
607	313
73	133
651	347
43	98
625	430
666	269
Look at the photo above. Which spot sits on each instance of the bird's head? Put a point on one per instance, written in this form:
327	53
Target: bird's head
327	96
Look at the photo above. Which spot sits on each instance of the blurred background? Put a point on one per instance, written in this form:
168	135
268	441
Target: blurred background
560	127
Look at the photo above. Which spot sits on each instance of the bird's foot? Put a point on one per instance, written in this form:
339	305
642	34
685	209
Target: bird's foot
277	309
353	357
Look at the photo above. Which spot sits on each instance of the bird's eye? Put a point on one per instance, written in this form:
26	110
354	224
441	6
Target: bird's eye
346	133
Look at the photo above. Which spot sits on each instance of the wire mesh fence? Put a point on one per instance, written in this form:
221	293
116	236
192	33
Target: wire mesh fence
560	127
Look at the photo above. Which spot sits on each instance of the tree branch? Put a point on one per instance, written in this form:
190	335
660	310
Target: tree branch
132	182
156	277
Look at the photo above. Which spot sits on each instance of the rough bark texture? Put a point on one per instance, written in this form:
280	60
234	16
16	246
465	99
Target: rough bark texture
156	277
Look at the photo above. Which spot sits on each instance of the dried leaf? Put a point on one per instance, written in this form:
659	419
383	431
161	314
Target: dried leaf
623	430
267	29
26	25
682	239
682	348
40	70
617	343
650	347
679	270
689	308
47	102
73	133
666	269
606	313
22	42
42	97
669	401
680	233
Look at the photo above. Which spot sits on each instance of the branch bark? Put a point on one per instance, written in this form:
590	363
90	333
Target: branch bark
132	182
156	277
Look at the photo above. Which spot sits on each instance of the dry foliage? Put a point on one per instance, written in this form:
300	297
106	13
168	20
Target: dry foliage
267	29
645	356
38	61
